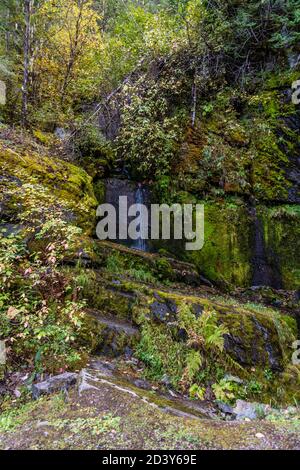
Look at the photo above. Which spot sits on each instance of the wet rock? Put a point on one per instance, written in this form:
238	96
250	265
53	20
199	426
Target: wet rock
234	344
54	384
104	367
259	348
128	352
277	303
115	336
272	351
205	281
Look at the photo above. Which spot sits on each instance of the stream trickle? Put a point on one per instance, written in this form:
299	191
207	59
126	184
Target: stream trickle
140	200
136	194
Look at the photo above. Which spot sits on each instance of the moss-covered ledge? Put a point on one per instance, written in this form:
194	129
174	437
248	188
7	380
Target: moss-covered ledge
65	181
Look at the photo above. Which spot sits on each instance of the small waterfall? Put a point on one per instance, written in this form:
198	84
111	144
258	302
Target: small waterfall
140	200
136	194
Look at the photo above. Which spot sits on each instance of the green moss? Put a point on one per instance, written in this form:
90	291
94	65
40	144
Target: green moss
105	296
256	337
99	190
226	255
243	145
282	237
164	268
268	166
259	338
67	182
44	138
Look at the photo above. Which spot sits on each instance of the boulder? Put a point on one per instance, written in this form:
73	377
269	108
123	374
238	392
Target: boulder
244	409
54	384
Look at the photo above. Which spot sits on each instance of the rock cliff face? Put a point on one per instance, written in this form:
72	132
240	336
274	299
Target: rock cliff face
241	159
152	306
131	311
245	157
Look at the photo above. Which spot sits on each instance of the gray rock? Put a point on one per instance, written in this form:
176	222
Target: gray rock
292	410
143	384
225	408
87	381
182	334
128	352
244	409
6	230
42	424
163	312
197	310
233	378
106	368
61	133
54	384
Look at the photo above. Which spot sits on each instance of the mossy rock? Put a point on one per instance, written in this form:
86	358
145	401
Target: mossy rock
261	338
226	255
281	225
250	148
44	138
106	296
145	266
68	183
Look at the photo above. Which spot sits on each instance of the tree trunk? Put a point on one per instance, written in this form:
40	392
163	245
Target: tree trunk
73	51
26	51
194	100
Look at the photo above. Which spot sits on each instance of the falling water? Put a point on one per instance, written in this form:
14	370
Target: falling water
140	200
136	194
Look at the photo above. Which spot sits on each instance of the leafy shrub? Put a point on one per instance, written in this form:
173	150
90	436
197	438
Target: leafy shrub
197	392
90	143
223	390
37	317
149	138
206	338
